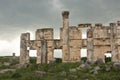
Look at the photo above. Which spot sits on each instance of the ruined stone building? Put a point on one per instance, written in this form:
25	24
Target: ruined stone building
100	40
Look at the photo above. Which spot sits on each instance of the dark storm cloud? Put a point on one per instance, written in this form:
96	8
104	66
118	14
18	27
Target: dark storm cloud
93	10
17	16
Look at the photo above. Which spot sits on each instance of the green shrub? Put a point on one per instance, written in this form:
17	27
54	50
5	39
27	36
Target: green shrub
84	59
107	59
58	60
16	75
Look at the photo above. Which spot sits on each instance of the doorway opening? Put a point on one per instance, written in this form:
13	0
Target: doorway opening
83	53
84	33
108	57
33	55
58	55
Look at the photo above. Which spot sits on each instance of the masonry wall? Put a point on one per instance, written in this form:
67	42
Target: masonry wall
100	40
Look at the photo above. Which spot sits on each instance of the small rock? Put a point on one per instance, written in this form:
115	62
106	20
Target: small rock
95	72
82	66
99	61
7	70
97	68
73	76
63	73
40	73
116	66
107	68
6	63
89	62
72	70
87	66
65	79
78	68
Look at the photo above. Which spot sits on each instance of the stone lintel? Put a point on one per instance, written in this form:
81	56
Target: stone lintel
86	25
98	25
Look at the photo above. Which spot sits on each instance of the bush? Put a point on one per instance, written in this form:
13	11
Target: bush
107	59
58	60
84	59
16	75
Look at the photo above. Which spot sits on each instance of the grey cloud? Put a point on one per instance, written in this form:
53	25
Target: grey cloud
17	16
93	10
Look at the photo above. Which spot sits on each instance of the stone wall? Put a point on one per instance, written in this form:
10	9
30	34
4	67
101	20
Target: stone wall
100	40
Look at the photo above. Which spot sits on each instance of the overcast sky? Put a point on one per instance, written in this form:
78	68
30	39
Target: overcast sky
18	16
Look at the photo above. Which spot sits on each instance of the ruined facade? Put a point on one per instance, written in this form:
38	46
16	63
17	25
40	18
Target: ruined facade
100	40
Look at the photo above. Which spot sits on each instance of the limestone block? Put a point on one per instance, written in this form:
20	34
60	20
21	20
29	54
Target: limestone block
99	52
45	33
77	43
74	33
50	54
65	53
101	41
75	54
50	43
38	55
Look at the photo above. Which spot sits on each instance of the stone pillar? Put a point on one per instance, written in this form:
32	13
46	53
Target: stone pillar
118	39
43	51
114	46
23	48
90	52
38	56
65	37
27	57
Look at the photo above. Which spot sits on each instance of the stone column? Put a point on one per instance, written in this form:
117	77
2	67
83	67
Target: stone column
65	36
38	56
27	57
23	48
114	46
118	39
90	54
43	51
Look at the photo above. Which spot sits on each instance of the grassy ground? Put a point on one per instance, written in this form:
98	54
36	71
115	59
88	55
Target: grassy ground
53	72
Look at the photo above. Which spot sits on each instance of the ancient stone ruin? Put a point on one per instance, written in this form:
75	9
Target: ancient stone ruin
100	40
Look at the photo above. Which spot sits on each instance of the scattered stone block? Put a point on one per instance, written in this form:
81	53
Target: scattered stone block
116	66
40	73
